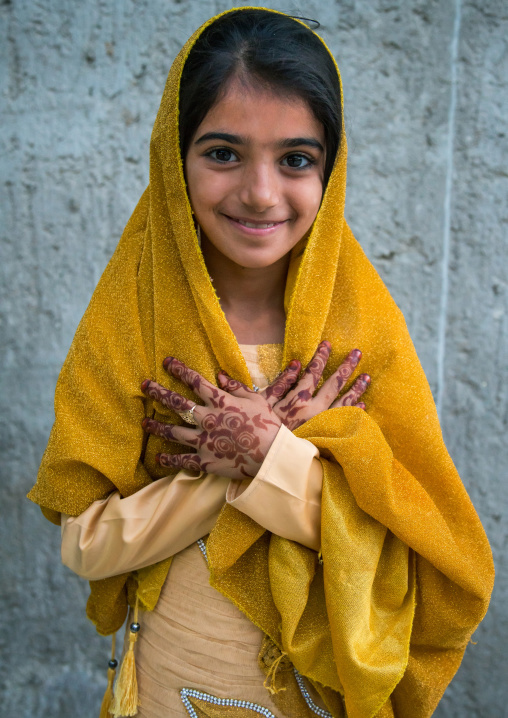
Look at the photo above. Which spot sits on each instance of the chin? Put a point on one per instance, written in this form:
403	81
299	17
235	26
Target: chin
257	262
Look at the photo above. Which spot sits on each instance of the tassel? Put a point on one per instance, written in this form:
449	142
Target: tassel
125	701
271	675
108	695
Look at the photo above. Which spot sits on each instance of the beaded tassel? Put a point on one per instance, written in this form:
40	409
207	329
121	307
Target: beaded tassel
125	701
108	695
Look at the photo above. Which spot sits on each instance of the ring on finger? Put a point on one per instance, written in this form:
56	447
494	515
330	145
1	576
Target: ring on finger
188	415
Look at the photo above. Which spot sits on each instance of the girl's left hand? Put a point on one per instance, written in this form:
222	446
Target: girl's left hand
233	433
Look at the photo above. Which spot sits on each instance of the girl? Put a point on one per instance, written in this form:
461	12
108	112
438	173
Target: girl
299	544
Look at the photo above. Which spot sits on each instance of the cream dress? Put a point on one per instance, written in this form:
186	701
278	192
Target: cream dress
196	640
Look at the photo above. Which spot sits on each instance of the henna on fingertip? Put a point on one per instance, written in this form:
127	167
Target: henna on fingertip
350	398
317	364
167	361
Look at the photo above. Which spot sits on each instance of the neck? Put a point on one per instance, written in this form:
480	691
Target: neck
251	298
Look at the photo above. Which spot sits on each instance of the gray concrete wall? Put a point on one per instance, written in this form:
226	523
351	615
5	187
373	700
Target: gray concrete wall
425	92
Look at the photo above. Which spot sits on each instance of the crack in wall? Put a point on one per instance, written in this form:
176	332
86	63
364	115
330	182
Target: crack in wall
443	308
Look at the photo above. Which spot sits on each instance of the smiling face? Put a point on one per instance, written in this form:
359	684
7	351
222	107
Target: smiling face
254	171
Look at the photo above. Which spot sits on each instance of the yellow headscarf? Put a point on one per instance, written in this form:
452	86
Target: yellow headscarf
379	626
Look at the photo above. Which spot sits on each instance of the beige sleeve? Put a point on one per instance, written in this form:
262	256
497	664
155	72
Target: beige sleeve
116	535
285	495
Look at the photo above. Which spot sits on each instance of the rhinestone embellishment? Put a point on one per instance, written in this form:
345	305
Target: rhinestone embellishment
185	693
305	693
202	548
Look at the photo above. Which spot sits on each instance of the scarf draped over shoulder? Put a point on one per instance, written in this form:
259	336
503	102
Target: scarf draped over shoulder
380	621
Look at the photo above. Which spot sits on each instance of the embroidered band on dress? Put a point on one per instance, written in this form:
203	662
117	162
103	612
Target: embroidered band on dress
202	548
187	693
305	693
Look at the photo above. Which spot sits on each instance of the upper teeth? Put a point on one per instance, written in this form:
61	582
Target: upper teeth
257	225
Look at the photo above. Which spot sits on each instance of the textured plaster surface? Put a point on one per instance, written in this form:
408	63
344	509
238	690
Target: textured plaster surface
426	106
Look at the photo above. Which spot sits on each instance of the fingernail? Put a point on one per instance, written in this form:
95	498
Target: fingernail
167	361
145	421
365	377
326	343
145	385
356	354
294	364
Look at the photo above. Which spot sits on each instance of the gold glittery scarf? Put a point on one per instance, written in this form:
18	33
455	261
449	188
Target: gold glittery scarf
380	626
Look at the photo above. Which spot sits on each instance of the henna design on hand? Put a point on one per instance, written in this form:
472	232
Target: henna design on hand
195	381
230	436
300	404
233	433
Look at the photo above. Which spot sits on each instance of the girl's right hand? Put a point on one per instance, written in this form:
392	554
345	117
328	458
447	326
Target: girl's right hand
298	405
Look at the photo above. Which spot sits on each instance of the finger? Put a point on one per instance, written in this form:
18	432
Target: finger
361	405
170	399
315	368
334	384
233	386
351	397
283	383
194	381
192	462
170	432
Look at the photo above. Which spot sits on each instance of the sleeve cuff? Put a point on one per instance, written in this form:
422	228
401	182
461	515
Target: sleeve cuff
285	495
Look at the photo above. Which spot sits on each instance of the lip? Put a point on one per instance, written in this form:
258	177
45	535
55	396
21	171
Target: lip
260	228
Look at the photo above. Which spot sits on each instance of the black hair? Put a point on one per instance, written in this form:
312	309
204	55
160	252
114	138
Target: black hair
267	48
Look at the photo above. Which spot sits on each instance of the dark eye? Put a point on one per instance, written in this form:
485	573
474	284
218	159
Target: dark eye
297	161
223	155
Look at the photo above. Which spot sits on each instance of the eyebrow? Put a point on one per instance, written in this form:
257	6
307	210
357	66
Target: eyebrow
239	140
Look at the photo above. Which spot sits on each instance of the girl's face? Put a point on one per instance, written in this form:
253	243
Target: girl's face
254	171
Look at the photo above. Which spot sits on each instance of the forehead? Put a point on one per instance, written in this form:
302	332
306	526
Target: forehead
261	114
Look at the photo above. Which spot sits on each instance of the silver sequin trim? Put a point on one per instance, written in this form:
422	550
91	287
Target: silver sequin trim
305	693
186	692
202	548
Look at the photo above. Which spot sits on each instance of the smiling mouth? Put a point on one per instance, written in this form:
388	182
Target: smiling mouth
255	225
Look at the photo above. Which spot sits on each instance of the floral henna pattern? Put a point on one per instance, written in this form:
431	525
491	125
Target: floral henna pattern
282	383
231	436
227	440
234	436
195	381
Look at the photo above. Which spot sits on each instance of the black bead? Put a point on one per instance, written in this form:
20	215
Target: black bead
112	663
135	627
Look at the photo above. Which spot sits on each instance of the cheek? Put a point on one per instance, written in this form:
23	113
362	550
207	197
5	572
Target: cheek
309	201
205	194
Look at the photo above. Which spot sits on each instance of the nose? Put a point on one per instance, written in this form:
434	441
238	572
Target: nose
260	187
